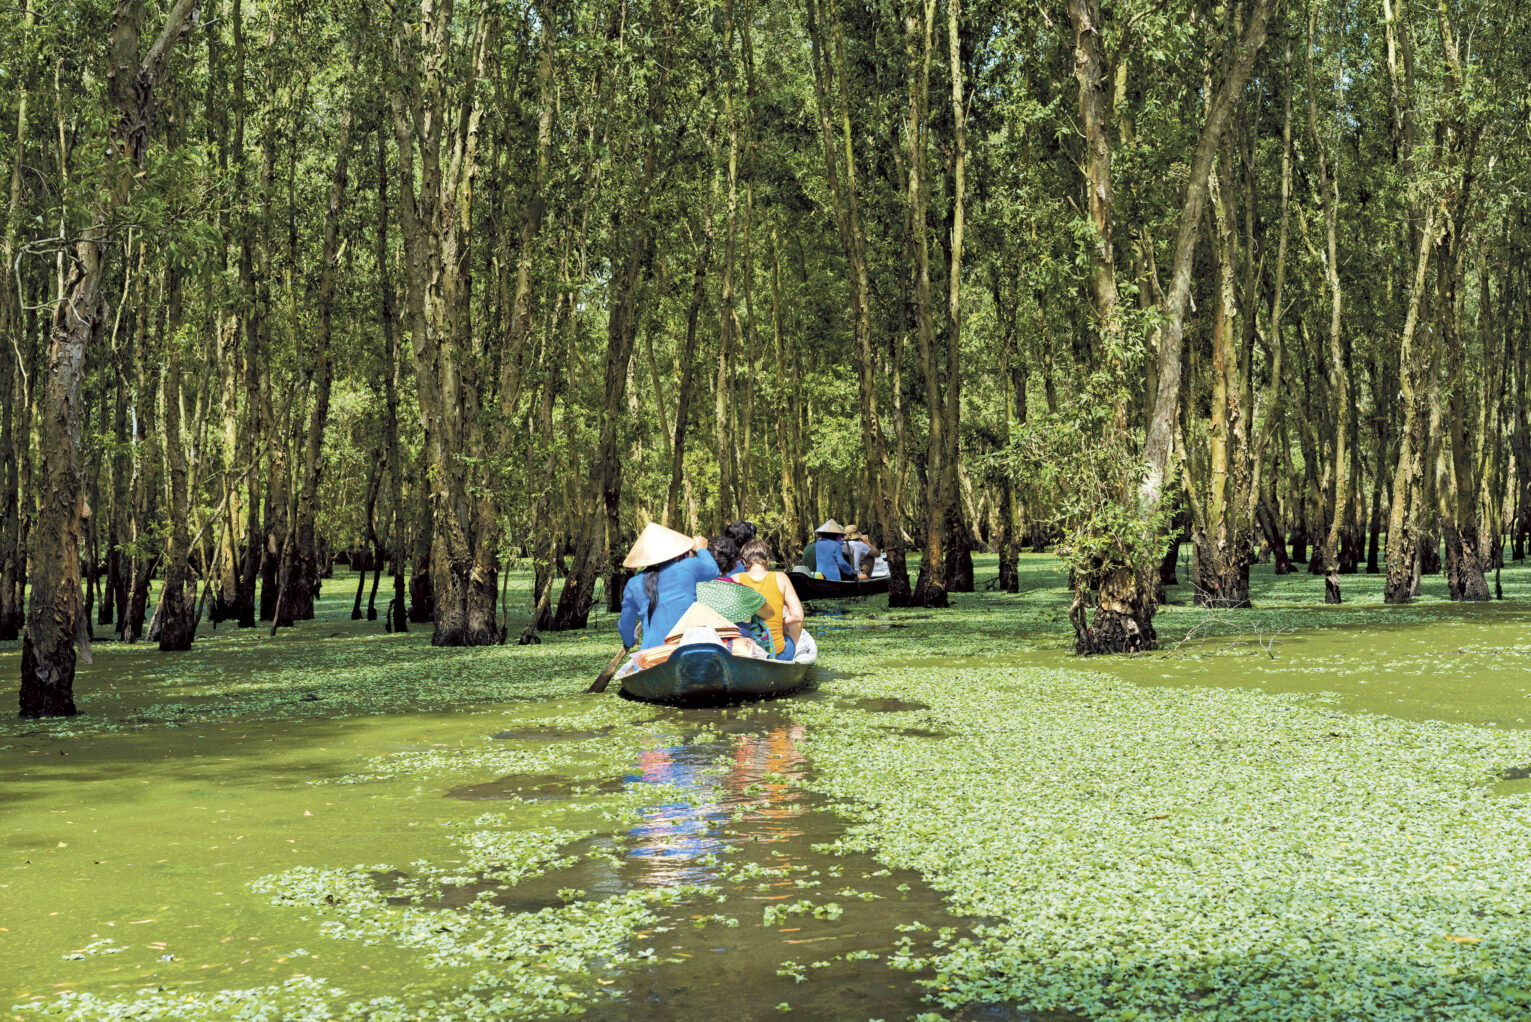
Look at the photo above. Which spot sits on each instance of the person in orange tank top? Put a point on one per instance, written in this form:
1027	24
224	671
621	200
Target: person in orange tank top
783	612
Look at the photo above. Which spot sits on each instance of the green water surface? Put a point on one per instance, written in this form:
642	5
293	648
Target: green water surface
1296	812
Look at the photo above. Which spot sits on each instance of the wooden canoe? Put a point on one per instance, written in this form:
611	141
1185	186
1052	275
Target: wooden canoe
704	674
810	588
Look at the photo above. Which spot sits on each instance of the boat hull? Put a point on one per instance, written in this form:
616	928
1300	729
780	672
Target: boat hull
700	675
810	588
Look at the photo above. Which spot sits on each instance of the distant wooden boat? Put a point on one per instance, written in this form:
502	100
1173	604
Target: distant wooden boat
810	588
703	674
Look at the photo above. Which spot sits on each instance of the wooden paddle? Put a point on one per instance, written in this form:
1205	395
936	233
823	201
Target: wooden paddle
604	678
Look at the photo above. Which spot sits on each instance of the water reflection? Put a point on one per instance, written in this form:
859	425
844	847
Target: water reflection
737	792
745	780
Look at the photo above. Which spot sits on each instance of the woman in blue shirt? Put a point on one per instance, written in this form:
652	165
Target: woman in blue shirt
669	566
832	562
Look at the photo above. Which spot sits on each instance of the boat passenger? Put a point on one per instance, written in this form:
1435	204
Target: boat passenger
701	624
669	565
725	550
739	604
783	612
741	533
829	549
861	551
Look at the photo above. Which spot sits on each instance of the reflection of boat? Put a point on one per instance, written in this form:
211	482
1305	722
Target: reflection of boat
810	588
703	673
755	800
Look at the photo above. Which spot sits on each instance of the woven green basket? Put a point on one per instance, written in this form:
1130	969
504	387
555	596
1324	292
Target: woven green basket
734	601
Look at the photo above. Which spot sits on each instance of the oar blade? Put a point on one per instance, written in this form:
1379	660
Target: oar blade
604	678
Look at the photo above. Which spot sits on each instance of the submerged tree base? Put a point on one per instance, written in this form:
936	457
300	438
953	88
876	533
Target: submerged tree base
1225	590
927	596
46	689
1124	617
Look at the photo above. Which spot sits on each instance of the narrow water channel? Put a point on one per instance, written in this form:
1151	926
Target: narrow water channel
815	931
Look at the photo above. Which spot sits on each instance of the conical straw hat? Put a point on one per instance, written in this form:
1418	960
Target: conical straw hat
702	616
656	544
832	527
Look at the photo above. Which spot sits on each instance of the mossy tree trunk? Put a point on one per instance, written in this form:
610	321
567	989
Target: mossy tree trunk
839	152
436	117
48	651
302	576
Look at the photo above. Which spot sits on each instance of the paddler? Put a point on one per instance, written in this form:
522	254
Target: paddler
669	565
829	551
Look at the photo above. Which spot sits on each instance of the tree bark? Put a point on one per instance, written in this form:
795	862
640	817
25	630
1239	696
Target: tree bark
1223	530
1159	444
303	573
688	353
726	450
438	116
178	623
1123	600
422	586
828	64
1328	186
393	373
958	556
48	651
632	237
14	403
930	586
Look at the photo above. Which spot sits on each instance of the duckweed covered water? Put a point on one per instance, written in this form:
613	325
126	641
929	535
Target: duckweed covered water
1298	812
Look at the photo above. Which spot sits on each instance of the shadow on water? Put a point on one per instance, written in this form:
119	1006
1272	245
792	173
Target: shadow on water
813	930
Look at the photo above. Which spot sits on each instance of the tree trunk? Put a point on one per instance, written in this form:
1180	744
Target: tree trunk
688	353
361	561
231	598
1124	599
303	573
726	449
958	556
1465	542
147	460
14	401
828	62
48	652
12	551
370	556
278	500
599	544
1123	621
545	530
1457	138
393	372
1158	444
422	585
930	587
785	440
1223	519
178	623
441	123
1328	185
1012	408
